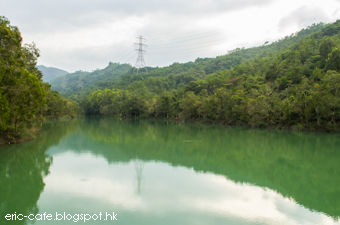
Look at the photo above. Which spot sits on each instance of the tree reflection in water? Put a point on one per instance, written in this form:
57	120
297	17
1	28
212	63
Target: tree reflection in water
22	168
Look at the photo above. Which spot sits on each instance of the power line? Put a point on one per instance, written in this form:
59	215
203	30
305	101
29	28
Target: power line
193	47
239	3
185	36
194	44
191	39
63	83
176	53
128	55
156	39
303	20
190	47
124	53
80	82
131	60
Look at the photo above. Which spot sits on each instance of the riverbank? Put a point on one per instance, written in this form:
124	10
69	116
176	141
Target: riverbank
28	134
22	136
295	127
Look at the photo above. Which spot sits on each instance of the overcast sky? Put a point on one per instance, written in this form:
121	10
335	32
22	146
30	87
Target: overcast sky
88	34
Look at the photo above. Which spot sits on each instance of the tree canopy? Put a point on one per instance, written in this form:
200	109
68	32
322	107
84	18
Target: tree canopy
291	83
24	98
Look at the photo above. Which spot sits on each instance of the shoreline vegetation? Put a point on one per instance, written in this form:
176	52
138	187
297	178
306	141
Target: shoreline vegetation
23	136
290	84
32	133
28	134
224	123
25	99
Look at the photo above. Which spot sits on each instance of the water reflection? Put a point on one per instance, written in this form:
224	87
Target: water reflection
139	165
21	181
302	166
168	196
22	168
165	173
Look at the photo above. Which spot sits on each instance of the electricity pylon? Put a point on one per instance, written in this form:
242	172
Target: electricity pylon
140	63
63	83
80	82
139	165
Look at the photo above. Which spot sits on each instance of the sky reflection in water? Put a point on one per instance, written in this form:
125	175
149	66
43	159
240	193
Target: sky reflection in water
150	192
167	173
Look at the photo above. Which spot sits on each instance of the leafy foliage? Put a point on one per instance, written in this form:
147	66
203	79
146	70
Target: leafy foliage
68	85
288	84
24	98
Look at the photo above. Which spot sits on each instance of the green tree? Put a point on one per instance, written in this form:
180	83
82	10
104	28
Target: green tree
189	105
166	105
22	87
326	46
332	81
333	61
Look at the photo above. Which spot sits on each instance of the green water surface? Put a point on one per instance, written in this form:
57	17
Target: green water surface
152	172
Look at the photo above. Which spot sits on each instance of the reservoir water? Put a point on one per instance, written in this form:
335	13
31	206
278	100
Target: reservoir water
109	171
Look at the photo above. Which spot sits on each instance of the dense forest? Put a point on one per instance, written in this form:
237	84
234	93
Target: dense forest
120	76
292	83
25	100
81	83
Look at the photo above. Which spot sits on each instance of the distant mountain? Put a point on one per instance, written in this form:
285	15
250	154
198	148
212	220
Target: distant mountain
80	84
51	73
83	83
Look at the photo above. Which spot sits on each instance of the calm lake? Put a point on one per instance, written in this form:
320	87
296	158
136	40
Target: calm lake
108	171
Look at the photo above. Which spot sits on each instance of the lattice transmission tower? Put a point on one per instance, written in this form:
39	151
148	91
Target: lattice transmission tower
140	63
63	83
80	82
139	165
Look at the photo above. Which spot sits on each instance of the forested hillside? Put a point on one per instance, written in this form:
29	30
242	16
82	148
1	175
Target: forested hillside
25	100
172	77
292	83
81	83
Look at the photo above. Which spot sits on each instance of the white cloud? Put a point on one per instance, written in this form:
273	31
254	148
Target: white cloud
85	35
